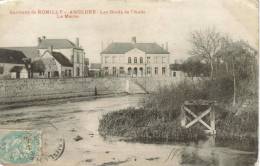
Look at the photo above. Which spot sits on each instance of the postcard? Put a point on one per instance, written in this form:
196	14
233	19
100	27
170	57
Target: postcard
129	82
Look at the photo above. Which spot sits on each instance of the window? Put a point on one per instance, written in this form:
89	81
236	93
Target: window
163	70
163	59
148	70
135	60
129	71
174	74
148	59
114	70
69	73
1	69
129	60
141	59
156	70
78	71
106	71
66	73
78	57
106	59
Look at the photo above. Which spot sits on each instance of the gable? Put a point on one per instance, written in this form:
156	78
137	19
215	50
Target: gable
135	52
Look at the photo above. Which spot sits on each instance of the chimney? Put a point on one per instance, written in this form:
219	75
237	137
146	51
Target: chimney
77	42
134	40
50	48
166	46
39	40
43	37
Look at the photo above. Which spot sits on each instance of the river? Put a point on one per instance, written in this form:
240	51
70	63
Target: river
77	123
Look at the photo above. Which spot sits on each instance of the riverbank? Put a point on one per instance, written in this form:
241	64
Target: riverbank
72	119
158	120
142	125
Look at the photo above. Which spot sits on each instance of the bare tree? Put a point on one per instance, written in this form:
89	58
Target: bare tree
240	61
206	44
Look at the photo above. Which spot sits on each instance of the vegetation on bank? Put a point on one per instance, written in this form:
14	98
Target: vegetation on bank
159	118
233	84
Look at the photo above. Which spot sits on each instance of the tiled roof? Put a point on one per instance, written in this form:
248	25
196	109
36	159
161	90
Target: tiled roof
121	48
11	56
95	66
56	44
16	69
29	52
64	61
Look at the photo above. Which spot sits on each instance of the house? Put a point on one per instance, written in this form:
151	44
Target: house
72	51
176	71
31	53
12	64
135	59
95	70
55	65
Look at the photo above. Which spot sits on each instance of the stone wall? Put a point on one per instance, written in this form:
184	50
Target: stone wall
21	90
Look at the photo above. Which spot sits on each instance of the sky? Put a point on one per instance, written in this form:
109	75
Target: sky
159	21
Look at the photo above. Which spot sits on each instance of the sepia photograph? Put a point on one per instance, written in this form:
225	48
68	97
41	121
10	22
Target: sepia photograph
129	82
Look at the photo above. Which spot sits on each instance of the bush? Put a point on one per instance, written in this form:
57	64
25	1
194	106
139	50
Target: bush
144	125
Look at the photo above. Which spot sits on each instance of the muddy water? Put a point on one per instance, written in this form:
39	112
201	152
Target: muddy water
77	124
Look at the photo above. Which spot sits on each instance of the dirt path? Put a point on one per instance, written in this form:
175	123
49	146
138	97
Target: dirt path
77	124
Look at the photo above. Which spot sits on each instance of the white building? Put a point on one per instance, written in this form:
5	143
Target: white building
135	59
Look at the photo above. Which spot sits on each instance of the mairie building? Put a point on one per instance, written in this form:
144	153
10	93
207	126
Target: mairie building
135	59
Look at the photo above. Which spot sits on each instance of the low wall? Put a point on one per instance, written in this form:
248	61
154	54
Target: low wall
42	89
22	90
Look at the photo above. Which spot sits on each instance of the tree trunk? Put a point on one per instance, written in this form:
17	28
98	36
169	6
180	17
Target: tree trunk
211	69
234	84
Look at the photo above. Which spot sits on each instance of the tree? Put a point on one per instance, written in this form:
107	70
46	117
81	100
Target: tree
206	44
195	68
240	61
38	66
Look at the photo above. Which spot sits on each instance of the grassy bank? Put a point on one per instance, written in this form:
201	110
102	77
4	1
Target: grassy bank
159	118
146	125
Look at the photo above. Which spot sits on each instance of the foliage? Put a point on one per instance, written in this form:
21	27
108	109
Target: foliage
195	68
38	66
144	125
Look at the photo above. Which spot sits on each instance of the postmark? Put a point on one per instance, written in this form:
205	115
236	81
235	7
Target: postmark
20	146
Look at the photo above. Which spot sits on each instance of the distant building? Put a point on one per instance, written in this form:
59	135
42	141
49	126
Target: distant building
135	59
56	65
71	50
95	70
12	64
176	71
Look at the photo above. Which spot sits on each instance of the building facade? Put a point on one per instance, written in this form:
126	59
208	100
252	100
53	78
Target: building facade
135	60
56	65
72	51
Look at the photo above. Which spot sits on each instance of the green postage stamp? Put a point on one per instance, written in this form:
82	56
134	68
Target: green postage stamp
20	146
